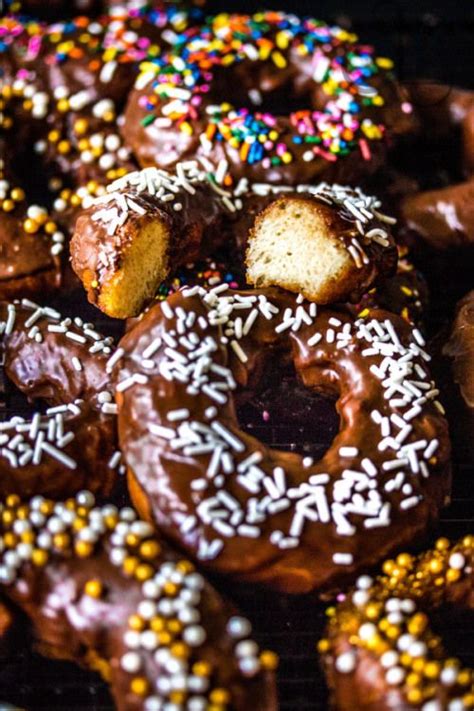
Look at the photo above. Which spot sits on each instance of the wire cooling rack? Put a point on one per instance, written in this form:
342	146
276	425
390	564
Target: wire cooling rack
430	39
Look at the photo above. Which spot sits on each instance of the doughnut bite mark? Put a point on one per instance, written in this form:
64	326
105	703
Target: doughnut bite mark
258	514
329	245
149	223
380	652
102	590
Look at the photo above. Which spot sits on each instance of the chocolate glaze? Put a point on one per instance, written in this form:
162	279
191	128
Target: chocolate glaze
162	476
445	109
44	364
90	450
442	218
460	348
405	293
27	266
166	147
41	365
458	370
70	623
291	83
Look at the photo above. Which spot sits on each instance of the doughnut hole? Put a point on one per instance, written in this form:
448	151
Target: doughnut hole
295	244
260	87
144	266
286	415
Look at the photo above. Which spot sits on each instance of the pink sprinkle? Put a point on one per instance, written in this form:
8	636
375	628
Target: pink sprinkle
407	108
364	149
266	416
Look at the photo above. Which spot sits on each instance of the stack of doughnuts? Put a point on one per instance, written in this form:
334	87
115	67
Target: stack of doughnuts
218	185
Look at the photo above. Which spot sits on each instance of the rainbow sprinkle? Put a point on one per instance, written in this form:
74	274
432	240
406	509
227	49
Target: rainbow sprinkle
178	88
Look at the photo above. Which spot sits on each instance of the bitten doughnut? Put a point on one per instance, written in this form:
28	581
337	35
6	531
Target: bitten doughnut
380	651
215	97
255	513
102	590
125	244
74	443
330	244
150	222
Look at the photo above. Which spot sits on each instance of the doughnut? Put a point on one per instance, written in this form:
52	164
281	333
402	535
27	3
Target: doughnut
255	513
444	110
122	251
345	104
74	443
124	244
459	351
405	293
85	150
57	359
100	589
30	245
442	218
329	245
84	60
380	651
56	454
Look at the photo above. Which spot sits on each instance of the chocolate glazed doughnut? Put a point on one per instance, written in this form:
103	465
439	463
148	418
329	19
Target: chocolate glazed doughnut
444	218
255	513
102	590
340	117
380	652
73	444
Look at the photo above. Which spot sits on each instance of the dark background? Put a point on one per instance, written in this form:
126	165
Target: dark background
433	40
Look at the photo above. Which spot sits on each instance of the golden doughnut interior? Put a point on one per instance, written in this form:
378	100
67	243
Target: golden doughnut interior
294	245
143	267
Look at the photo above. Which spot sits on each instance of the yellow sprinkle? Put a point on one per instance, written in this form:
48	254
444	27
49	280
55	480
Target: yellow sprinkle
279	60
384	62
93	588
83	549
139	686
186	128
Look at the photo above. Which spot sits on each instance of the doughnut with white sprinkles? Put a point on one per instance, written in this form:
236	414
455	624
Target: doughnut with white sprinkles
255	513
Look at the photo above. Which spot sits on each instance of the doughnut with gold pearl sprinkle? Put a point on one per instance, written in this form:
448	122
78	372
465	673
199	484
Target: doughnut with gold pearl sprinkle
101	589
380	651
